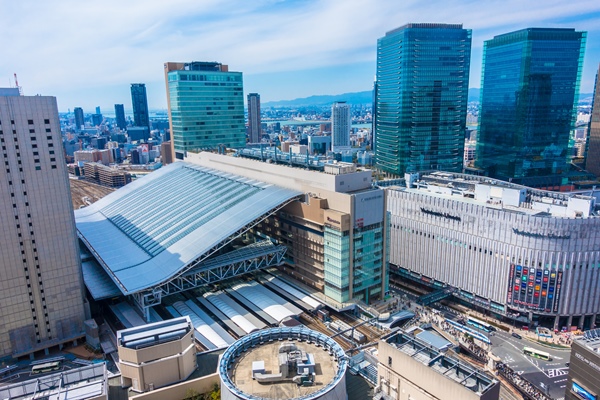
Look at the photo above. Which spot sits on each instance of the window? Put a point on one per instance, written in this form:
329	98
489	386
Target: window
46	121
29	121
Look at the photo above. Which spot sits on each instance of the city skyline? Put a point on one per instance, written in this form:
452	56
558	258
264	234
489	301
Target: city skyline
284	59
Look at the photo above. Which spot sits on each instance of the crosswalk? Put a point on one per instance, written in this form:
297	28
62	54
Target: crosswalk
553	373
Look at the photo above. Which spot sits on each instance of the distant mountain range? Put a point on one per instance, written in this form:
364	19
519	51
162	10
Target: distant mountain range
322	100
365	97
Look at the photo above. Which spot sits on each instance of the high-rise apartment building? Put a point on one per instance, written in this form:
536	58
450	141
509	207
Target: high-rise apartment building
139	101
206	106
120	116
592	159
421	104
79	119
41	295
530	84
254	126
341	123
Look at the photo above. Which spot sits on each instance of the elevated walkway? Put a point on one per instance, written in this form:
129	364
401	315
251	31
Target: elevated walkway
436	296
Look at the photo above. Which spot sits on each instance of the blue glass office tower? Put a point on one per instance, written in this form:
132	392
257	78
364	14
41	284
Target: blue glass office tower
206	107
139	101
530	85
421	97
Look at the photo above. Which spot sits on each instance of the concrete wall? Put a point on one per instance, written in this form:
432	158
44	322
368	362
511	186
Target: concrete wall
414	380
201	385
158	366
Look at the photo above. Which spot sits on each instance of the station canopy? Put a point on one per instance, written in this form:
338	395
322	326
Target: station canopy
158	226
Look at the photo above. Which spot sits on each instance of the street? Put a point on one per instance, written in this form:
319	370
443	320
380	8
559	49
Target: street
549	376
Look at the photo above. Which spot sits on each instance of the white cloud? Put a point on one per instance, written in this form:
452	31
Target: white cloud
87	45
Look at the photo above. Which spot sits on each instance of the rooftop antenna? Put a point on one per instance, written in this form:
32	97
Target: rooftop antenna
17	85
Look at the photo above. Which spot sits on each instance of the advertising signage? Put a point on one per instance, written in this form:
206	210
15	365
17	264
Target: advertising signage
582	393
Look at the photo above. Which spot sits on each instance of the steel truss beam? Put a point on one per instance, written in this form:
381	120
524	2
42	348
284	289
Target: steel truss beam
198	277
184	280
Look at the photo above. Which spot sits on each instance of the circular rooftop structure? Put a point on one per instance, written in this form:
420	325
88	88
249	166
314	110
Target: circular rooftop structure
284	363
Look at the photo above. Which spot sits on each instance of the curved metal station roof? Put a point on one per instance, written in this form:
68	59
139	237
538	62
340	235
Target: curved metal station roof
150	230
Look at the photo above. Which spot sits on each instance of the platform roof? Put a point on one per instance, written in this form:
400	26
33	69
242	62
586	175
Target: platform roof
151	230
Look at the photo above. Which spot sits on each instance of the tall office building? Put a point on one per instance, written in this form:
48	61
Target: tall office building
41	296
254	126
530	84
139	101
79	119
206	106
421	104
341	123
120	116
592	159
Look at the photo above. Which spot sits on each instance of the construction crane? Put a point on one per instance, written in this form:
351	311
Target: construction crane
17	85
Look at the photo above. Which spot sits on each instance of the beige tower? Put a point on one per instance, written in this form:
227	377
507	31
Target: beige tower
41	296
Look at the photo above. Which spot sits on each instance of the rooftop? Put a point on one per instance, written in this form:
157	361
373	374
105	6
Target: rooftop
591	340
449	367
160	225
241	372
154	333
80	383
501	195
239	360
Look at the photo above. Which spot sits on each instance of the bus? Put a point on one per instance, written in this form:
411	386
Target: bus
528	351
484	326
46	367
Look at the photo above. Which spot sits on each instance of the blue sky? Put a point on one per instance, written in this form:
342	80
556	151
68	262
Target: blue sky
87	53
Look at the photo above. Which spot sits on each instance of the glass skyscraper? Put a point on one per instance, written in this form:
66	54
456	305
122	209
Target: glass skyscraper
421	97
120	116
529	89
139	101
206	106
592	154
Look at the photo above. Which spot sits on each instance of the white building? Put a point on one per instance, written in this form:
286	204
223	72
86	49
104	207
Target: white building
509	249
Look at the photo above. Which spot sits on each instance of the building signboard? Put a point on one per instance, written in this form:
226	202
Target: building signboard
369	208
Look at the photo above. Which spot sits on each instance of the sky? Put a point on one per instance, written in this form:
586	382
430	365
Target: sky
87	53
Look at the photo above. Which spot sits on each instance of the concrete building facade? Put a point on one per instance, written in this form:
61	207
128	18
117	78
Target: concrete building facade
584	368
336	237
514	251
341	122
157	354
41	291
254	126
